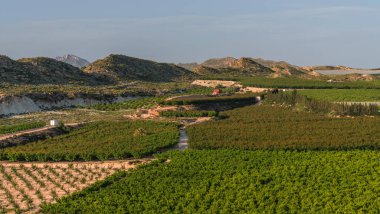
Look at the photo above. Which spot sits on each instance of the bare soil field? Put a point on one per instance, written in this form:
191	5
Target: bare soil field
25	186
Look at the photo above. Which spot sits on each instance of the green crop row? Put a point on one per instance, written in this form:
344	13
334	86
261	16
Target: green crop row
198	99
230	181
147	102
99	141
273	127
299	83
6	129
343	95
188	114
296	100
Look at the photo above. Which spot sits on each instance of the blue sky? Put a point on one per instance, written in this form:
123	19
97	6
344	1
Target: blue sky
303	32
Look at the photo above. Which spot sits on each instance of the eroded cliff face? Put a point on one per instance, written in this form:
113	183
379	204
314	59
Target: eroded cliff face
13	105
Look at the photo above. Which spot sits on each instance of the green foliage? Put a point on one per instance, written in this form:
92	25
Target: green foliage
273	127
321	106
228	181
147	102
299	83
188	114
343	95
99	141
6	129
197	99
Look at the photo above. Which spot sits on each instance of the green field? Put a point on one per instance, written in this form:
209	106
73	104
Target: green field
204	99
147	102
299	83
227	181
273	127
6	129
99	141
188	113
343	95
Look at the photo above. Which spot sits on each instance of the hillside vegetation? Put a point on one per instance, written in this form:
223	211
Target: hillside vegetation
122	68
42	70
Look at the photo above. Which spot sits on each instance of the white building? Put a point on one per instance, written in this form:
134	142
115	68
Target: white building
54	122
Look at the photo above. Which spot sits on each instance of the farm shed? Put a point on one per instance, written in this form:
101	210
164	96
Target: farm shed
54	122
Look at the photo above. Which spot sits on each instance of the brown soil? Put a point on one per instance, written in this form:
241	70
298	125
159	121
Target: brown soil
25	186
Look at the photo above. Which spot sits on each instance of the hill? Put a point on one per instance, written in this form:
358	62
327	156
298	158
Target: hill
73	60
125	68
232	67
42	70
327	67
247	67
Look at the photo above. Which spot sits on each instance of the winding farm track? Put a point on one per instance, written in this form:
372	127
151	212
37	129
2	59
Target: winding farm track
31	131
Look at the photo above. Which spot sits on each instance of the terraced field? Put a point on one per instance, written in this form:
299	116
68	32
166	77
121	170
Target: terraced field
24	187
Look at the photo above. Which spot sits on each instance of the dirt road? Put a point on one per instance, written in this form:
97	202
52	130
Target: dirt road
31	131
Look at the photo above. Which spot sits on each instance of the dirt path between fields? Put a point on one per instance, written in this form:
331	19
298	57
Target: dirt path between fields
32	131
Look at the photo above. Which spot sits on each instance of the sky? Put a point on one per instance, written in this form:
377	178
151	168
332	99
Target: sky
302	32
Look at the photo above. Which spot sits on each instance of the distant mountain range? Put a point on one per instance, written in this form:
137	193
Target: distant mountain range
73	60
115	69
247	67
42	70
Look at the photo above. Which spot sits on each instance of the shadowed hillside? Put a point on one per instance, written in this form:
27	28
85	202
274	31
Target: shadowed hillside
122	68
42	70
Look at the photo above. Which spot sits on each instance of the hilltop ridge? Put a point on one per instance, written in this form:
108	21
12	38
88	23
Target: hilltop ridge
122	68
43	70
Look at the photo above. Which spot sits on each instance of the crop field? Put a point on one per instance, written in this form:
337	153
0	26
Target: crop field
299	83
233	181
78	115
99	141
343	95
188	113
6	129
147	102
202	99
24	187
273	127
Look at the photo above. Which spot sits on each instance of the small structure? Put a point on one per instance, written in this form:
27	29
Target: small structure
216	92
54	122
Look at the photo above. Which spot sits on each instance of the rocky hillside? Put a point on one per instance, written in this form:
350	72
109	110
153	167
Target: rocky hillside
73	60
125	68
248	67
43	70
232	67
